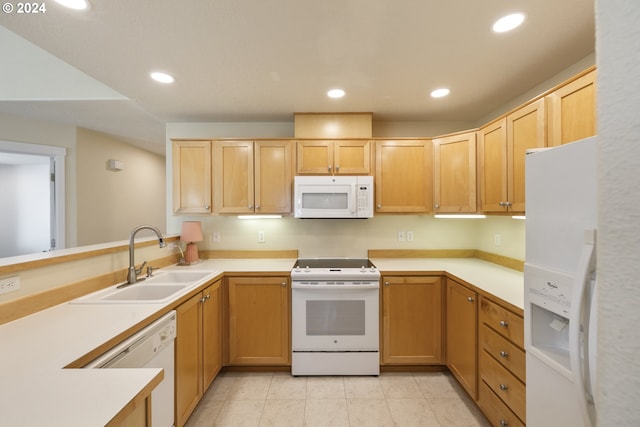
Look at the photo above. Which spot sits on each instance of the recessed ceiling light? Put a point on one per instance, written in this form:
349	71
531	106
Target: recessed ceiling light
335	93
439	93
162	77
74	4
508	23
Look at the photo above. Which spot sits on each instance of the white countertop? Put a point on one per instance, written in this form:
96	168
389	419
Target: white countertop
504	283
36	391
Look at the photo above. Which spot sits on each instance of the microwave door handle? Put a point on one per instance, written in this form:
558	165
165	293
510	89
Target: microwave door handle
354	199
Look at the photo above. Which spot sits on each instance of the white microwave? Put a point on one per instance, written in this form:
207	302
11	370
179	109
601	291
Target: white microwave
333	196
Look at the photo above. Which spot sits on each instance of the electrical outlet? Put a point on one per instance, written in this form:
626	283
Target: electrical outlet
409	236
216	237
261	237
9	284
401	236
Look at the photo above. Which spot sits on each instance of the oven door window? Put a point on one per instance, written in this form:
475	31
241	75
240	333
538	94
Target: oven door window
335	317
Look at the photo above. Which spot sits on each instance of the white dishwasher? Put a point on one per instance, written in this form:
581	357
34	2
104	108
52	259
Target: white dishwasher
152	347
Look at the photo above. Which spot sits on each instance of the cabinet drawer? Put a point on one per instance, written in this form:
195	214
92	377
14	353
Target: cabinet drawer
504	351
503	383
498	414
503	321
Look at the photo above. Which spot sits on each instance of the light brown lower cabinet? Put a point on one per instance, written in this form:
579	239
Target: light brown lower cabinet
259	321
502	394
462	335
412	320
198	348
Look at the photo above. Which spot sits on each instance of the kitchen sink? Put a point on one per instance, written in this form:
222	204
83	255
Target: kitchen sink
177	276
139	293
159	288
143	292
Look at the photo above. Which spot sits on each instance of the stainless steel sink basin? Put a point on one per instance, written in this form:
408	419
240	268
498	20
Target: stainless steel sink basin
177	276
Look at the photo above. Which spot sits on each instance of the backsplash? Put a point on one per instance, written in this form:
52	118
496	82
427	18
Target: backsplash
353	237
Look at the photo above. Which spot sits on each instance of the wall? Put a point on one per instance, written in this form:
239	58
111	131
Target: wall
617	35
352	238
111	203
20	129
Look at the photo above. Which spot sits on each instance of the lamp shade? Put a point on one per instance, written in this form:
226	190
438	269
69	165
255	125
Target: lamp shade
191	231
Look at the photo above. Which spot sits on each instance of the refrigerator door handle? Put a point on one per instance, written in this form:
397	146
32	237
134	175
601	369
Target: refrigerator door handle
578	356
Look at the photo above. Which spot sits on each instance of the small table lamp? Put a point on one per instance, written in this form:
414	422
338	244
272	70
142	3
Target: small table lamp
191	232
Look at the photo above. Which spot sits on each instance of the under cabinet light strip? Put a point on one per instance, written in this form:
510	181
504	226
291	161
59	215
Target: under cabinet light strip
259	216
460	216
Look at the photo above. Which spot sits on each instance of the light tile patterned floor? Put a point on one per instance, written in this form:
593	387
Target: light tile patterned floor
427	399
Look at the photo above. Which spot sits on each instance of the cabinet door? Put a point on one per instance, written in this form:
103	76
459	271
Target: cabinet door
462	335
525	129
259	321
454	177
273	176
492	150
211	333
188	358
412	320
191	169
233	176
572	114
352	157
315	157
404	176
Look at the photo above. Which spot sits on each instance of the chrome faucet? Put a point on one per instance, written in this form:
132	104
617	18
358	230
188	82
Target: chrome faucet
132	275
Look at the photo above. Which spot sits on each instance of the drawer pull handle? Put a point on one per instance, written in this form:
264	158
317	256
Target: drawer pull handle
504	324
504	354
504	423
504	387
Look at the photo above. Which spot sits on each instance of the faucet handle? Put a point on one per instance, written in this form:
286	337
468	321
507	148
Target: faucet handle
150	269
139	270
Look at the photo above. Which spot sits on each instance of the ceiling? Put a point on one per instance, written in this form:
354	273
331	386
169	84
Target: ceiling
244	60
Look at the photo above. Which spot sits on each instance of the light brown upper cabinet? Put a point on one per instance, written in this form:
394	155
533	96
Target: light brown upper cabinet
454	173
341	157
572	110
502	148
252	177
404	176
191	177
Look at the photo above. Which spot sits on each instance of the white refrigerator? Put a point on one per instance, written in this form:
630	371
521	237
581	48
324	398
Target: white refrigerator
560	284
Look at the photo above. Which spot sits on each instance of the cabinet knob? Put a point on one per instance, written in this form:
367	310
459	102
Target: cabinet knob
504	324
250	206
387	283
507	204
504	387
283	284
504	354
437	206
329	168
207	206
502	204
379	206
504	423
470	299
203	300
257	206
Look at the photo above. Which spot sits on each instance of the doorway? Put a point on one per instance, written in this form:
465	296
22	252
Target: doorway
32	198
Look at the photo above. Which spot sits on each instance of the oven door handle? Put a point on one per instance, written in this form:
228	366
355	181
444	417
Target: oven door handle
297	285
